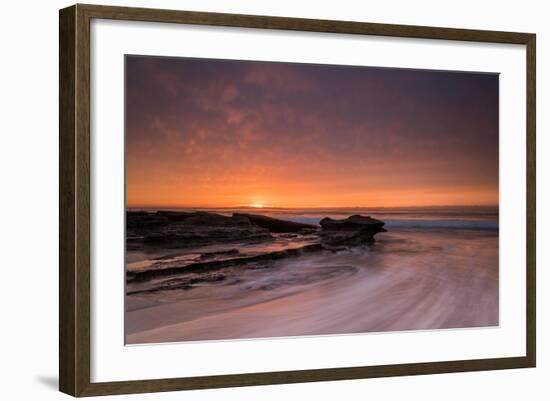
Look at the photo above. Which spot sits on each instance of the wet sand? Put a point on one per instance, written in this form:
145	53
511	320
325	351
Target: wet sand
408	280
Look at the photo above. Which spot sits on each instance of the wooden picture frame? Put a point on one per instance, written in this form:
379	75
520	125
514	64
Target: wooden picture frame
74	204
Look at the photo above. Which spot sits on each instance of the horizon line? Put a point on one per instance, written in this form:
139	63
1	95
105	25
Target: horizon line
158	207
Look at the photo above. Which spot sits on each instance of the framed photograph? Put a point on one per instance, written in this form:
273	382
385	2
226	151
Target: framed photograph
250	200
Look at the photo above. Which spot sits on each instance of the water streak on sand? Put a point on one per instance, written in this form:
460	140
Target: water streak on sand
410	279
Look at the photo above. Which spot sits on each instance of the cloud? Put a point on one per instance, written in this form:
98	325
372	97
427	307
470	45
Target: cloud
203	129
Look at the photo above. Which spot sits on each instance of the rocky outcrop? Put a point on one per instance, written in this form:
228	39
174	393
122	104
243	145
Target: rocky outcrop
188	229
212	266
355	230
142	221
203	242
215	255
276	225
174	229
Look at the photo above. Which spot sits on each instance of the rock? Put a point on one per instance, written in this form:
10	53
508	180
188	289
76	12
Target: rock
355	230
214	219
139	213
352	223
275	225
142	220
180	284
171	230
174	216
214	255
309	231
207	266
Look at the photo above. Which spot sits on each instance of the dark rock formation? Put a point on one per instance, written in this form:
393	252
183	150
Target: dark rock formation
174	216
214	219
275	225
186	229
355	230
184	283
211	266
214	255
179	240
144	220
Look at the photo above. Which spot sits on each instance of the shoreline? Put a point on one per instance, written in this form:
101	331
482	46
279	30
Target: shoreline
404	277
207	276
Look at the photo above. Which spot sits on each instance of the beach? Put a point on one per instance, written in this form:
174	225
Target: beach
433	269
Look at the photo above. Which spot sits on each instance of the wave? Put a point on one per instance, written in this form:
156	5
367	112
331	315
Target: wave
447	224
453	224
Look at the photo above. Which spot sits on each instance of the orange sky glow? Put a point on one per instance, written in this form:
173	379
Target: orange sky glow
213	133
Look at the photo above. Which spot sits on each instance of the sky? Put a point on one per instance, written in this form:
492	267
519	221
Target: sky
226	133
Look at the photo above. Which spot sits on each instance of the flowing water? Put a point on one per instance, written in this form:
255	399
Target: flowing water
435	268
